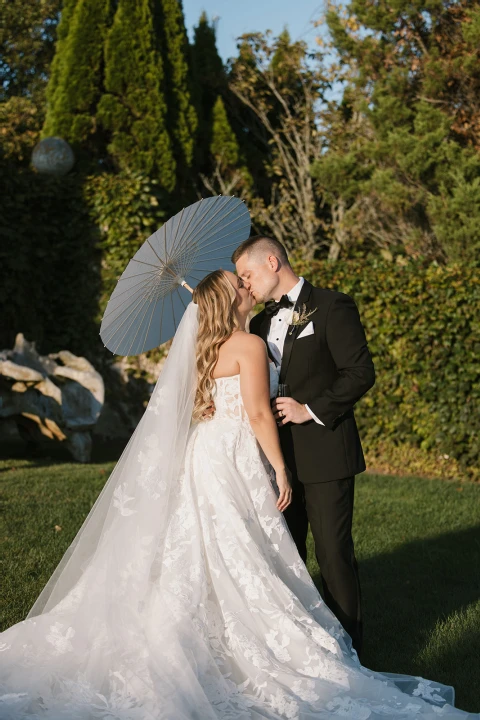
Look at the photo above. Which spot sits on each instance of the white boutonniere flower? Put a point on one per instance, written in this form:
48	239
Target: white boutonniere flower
300	318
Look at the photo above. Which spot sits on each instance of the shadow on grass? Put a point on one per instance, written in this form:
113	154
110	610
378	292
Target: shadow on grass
54	453
421	607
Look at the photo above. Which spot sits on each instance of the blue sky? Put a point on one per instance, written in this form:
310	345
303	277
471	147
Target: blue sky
240	16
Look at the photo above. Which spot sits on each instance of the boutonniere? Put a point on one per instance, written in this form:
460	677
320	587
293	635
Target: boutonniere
300	318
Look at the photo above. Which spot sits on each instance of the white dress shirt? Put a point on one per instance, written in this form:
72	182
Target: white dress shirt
278	332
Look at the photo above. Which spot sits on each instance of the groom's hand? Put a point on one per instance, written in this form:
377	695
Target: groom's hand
208	412
286	409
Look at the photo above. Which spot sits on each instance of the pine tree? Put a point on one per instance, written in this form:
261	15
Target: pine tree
133	108
75	84
182	119
209	81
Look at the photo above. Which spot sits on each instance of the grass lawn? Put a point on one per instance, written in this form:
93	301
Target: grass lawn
417	543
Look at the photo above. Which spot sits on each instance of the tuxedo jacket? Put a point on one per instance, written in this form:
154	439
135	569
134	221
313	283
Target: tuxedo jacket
329	370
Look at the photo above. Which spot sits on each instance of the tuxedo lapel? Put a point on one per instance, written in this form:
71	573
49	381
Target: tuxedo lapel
265	326
295	329
263	330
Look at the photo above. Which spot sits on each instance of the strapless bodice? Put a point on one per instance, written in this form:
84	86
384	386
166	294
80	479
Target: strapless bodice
228	398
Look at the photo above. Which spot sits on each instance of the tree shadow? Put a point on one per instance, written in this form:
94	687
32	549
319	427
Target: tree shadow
56	453
408	594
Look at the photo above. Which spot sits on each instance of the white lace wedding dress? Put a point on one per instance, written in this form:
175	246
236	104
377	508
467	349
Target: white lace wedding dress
230	625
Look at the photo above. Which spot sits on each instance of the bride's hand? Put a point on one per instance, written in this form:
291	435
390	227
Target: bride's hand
282	478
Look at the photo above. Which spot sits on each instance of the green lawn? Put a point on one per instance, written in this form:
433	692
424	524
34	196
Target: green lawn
417	542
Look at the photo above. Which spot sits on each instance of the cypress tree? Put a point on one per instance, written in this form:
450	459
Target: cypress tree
209	81
75	84
133	107
55	69
226	153
182	118
224	145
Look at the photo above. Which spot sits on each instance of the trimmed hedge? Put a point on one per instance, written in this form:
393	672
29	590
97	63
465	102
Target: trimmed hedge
423	329
126	208
49	262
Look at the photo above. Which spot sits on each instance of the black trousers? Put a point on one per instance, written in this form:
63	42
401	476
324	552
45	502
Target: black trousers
328	507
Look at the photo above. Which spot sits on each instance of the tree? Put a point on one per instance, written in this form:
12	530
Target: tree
417	66
28	45
281	89
133	108
229	170
182	120
77	72
209	81
340	171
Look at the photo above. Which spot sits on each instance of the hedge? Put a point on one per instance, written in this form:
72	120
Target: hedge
423	329
49	262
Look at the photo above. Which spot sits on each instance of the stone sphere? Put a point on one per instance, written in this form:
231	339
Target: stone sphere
53	156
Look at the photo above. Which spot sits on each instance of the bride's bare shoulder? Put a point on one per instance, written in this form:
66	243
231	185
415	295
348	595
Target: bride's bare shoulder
247	342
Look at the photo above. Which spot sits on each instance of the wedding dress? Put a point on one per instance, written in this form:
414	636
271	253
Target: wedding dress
183	596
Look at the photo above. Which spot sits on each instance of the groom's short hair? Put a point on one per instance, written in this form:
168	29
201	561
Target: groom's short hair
261	244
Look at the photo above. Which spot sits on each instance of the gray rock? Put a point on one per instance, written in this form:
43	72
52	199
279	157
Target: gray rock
19	372
59	396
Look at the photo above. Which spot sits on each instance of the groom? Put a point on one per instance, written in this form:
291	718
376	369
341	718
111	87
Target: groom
325	362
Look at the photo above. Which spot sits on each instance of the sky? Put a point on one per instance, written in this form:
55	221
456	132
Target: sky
236	17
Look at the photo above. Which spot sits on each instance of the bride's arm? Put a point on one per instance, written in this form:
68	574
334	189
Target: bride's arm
255	389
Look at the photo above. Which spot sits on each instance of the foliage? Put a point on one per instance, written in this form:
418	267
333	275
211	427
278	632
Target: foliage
422	50
224	145
133	107
172	35
55	70
21	120
208	82
77	72
27	37
422	325
229	173
49	282
126	208
120	88
409	181
276	82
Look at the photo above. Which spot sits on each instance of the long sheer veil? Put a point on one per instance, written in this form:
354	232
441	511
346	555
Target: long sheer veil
122	534
96	643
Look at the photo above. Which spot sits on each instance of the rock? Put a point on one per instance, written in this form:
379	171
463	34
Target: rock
130	382
59	396
18	372
80	446
25	353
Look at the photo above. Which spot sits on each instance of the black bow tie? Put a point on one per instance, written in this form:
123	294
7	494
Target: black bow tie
272	307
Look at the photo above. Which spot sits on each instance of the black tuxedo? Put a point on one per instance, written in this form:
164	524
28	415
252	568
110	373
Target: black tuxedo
329	370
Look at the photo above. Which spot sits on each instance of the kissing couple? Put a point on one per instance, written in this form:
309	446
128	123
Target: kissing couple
185	594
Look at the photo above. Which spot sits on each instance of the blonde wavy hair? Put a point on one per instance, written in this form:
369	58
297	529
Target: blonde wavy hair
215	298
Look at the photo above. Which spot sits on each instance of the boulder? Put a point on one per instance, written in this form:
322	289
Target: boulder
58	396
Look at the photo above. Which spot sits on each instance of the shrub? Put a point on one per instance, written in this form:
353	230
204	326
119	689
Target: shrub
423	329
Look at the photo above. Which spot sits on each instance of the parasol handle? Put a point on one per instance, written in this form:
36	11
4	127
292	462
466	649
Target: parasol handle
186	285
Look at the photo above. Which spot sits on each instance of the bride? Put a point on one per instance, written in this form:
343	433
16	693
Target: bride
183	596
